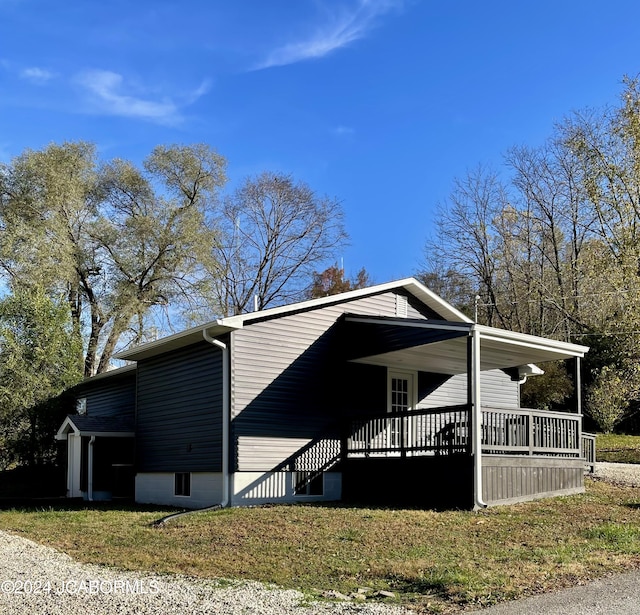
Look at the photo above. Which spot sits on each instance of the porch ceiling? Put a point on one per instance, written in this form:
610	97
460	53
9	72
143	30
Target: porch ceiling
441	347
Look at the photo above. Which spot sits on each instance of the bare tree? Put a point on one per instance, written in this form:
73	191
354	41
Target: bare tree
274	234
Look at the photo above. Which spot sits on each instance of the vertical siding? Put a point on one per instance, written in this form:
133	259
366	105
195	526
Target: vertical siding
497	390
179	411
512	479
288	383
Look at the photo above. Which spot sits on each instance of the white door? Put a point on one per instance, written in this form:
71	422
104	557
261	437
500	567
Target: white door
401	399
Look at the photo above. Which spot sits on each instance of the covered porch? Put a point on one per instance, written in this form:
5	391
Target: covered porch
467	454
100	453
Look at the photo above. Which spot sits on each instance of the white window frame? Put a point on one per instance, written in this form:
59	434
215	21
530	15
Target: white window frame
412	377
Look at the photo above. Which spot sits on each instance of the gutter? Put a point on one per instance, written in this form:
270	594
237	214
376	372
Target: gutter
92	441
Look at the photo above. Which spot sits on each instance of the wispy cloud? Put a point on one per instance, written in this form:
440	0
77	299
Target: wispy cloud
199	92
342	27
36	75
107	90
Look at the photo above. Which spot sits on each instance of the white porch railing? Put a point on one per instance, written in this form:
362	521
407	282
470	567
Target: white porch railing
445	431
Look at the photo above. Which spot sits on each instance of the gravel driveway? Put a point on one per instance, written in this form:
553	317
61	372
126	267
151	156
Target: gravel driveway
38	580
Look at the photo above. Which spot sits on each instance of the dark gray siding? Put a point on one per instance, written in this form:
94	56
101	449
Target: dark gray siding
110	396
290	385
179	412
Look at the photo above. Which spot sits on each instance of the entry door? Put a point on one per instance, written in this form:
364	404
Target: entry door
401	389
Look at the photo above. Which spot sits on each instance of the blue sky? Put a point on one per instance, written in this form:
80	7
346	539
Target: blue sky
378	103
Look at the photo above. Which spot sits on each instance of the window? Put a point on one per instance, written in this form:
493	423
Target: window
308	483
81	405
183	484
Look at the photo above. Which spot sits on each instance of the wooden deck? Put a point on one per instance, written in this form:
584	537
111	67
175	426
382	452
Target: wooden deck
526	453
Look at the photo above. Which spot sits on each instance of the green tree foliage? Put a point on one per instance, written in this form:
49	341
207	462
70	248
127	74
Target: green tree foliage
122	243
549	391
331	281
275	232
39	359
611	395
552	244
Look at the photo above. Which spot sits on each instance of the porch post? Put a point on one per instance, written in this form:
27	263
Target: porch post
476	421
578	384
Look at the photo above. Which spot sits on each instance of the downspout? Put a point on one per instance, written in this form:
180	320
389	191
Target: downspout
476	422
226	410
92	441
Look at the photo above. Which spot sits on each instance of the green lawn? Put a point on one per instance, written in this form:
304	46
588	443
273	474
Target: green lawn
618	448
435	562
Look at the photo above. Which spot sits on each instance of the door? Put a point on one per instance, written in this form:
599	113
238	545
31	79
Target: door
401	399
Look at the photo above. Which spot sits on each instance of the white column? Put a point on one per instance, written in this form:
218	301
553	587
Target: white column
74	453
476	421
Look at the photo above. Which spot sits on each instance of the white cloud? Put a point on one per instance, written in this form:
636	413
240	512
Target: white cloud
106	87
36	75
342	28
107	90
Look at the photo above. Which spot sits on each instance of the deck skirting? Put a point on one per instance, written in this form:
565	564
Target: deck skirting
507	479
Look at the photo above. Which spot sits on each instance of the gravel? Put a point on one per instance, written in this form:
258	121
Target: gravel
35	579
619	473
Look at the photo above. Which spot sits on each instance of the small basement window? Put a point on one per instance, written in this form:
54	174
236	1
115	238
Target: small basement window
308	483
183	484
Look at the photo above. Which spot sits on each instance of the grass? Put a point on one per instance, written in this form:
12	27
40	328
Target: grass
435	562
618	448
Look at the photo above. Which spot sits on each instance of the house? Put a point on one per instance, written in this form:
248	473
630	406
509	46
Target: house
384	395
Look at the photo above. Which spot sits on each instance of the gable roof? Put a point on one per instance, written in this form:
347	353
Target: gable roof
231	323
82	425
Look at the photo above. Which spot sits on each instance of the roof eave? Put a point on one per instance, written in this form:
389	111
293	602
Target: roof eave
532	341
178	340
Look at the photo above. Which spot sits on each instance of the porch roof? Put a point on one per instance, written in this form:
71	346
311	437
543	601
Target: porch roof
440	346
82	425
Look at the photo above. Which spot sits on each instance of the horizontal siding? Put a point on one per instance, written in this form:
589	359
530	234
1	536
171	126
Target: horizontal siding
111	396
288	383
497	389
300	453
179	413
